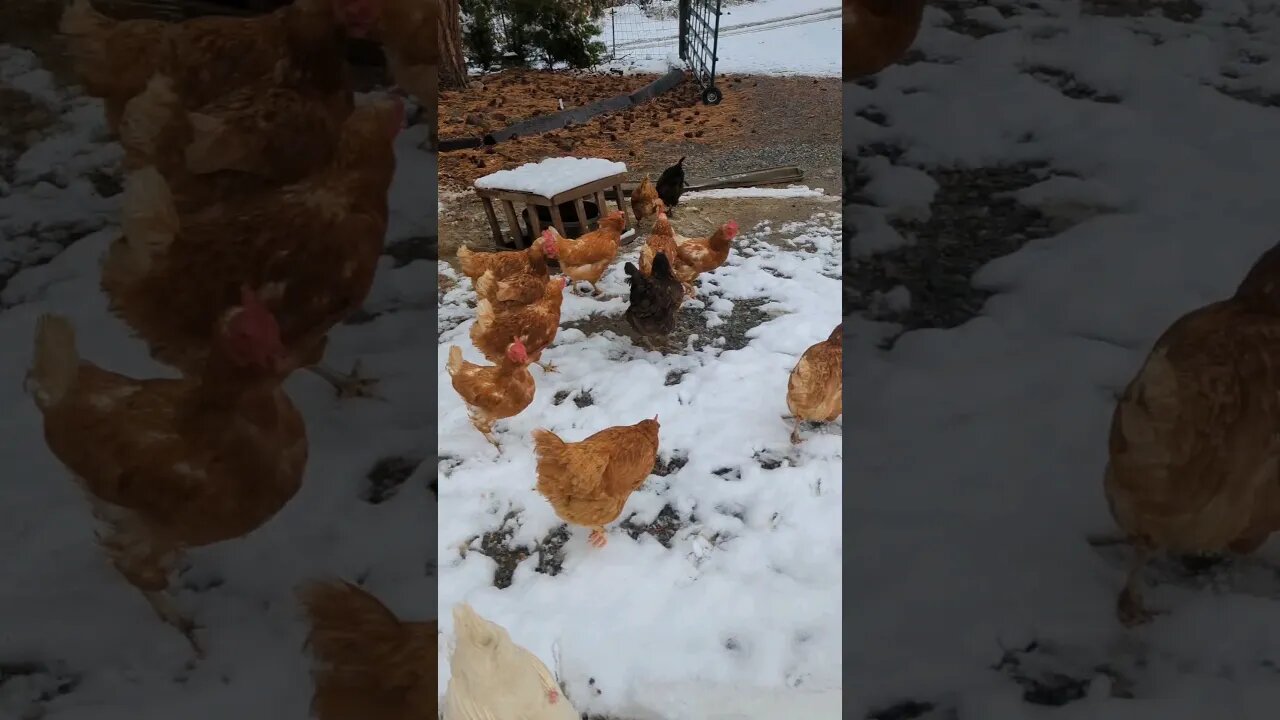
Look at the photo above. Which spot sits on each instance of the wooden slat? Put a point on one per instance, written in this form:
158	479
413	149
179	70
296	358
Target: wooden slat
493	220
557	221
587	189
534	223
622	205
601	203
517	237
581	210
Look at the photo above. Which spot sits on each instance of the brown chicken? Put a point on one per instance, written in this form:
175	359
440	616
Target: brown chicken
698	255
173	464
240	145
310	248
301	46
512	293
369	664
1194	456
588	482
517	276
815	388
661	240
409	31
535	324
877	33
645	202
587	257
493	392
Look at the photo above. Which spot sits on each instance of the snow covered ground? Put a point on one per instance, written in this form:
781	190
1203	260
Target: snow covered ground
733	592
768	37
977	451
77	642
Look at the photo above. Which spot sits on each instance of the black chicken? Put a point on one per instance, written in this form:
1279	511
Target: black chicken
655	300
670	185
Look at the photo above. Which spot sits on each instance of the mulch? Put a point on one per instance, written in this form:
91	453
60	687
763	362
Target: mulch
677	116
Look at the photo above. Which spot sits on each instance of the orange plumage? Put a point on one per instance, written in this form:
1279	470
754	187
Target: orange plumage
815	387
1194	455
369	664
588	482
492	392
310	248
536	324
299	46
172	464
587	257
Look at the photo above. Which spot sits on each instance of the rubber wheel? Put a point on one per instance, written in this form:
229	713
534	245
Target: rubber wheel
712	96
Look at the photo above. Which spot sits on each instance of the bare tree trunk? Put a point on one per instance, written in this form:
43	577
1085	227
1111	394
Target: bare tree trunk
453	64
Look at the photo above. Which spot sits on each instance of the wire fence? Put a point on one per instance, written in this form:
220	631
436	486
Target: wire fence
641	30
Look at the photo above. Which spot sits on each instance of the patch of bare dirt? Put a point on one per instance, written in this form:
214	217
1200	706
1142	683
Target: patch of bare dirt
501	99
757	116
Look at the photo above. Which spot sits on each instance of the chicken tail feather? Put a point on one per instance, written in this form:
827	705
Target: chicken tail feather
486	285
146	116
80	19
550	451
87	30
455	360
150	219
347	625
55	362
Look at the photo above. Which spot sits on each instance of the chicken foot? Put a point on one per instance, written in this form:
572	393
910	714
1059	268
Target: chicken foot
146	562
795	431
162	602
349	385
597	538
1130	609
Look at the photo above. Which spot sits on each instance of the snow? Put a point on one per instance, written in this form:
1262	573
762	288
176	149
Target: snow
551	176
979	450
768	37
791	191
95	648
746	602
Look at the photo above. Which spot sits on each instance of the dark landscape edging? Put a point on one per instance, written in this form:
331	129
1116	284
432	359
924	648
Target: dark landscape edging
564	118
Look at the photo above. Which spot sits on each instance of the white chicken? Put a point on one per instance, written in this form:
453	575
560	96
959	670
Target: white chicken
492	678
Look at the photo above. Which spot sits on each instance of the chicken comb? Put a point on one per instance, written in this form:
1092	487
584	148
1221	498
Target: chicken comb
254	314
732	227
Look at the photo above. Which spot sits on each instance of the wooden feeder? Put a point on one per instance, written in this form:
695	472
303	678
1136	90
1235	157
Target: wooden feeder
505	187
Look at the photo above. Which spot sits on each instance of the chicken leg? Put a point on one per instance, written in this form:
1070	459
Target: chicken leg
1129	606
348	385
795	431
598	538
147	562
167	611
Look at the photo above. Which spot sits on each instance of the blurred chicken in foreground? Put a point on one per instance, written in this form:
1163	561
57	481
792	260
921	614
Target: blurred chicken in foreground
311	250
1194	450
300	46
410	34
369	664
815	390
588	482
173	464
247	142
877	33
492	678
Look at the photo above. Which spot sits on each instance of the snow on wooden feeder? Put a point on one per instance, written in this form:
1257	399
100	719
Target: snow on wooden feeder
547	190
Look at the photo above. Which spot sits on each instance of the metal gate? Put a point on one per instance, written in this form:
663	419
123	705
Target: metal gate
699	41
